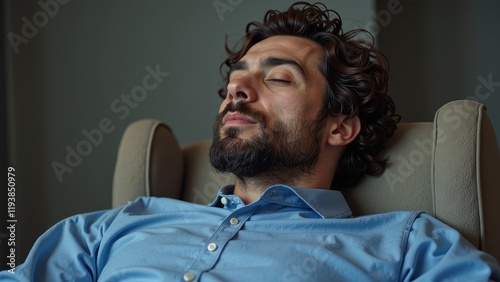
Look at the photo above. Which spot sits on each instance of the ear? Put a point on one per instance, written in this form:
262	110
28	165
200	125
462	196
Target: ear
343	130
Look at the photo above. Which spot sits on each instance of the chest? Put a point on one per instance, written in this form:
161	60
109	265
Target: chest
251	248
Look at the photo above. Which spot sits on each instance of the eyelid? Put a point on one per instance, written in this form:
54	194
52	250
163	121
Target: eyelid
281	76
280	81
271	75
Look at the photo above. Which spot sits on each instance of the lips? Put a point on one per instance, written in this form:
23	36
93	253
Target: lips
233	118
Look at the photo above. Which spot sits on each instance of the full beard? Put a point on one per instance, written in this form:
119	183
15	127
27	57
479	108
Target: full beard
278	153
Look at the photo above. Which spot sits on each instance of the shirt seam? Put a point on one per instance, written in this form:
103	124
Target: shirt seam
404	240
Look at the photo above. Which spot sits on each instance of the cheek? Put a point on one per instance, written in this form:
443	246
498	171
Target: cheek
299	111
312	107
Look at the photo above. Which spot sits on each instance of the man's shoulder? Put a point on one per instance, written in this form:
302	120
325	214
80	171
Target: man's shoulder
405	219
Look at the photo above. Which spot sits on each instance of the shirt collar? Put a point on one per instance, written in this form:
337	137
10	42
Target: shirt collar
326	203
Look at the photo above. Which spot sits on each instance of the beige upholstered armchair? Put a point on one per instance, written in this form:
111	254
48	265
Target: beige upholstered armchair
449	168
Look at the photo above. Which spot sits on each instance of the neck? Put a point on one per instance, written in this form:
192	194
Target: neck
248	190
320	176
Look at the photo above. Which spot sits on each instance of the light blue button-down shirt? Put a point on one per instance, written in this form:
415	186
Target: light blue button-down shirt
289	234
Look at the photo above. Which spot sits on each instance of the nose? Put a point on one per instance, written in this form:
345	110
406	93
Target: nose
241	89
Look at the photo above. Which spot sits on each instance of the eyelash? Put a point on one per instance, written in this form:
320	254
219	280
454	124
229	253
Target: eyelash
275	80
280	81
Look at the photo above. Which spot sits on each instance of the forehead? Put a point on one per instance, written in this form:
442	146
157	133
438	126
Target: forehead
304	51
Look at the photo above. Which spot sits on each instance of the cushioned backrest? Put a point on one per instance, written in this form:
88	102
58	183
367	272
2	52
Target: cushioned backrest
442	169
201	182
406	182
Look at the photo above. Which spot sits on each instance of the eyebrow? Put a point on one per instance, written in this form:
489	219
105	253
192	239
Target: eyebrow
269	62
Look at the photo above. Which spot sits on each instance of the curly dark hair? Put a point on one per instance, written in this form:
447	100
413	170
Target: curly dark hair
356	80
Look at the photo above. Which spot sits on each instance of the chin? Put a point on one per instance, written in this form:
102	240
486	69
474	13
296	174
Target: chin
237	133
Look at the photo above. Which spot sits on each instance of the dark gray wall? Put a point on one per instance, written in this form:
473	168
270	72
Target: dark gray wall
442	51
67	75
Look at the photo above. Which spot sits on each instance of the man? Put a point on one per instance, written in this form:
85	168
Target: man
304	104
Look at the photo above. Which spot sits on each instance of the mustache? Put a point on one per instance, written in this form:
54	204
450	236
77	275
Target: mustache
242	108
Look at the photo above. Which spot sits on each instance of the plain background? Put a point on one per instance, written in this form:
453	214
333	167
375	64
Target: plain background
67	77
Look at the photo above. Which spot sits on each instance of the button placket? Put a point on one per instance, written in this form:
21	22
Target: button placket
215	245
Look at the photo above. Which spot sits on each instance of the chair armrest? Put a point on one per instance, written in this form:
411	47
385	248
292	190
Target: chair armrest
466	195
149	163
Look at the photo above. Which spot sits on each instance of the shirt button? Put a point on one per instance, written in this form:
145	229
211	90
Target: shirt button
223	200
188	276
234	221
212	247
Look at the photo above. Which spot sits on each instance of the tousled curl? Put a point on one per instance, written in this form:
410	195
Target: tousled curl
356	80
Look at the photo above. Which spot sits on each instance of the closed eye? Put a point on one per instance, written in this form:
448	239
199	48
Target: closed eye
277	80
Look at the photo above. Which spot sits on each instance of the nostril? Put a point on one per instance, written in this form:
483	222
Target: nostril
243	95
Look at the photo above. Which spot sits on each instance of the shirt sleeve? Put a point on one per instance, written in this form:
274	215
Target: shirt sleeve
65	252
437	252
